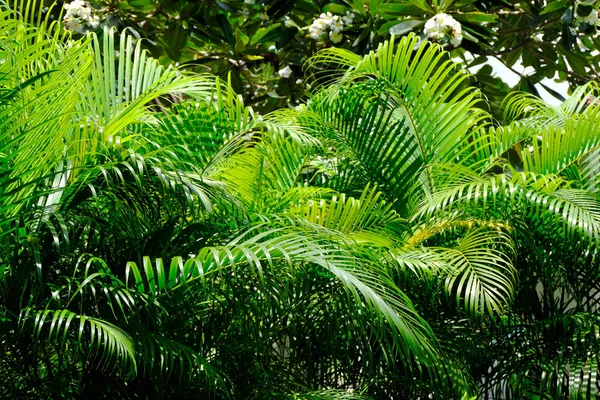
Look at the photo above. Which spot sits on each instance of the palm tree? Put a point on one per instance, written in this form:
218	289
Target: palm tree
101	183
477	220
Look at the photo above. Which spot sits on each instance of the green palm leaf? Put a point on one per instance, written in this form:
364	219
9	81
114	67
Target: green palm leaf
416	110
95	336
542	199
366	220
282	251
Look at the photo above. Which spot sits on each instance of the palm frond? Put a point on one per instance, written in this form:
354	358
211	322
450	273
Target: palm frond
33	126
282	251
160	356
326	395
555	149
554	357
397	110
482	278
542	198
120	89
368	220
109	344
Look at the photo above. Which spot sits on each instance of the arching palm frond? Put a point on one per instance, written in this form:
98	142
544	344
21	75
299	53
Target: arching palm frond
120	89
109	344
326	395
368	220
39	15
160	357
482	278
555	149
543	199
414	109
372	143
282	251
478	273
534	111
426	86
35	117
266	172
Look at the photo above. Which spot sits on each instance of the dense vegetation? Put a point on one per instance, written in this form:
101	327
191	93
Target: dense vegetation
263	44
388	238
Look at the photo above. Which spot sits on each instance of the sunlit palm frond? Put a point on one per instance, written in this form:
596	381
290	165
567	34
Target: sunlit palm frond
478	272
482	278
542	199
368	220
326	395
265	172
397	110
536	112
121	88
554	149
34	122
426	86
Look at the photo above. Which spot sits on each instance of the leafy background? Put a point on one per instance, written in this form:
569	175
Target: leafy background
238	39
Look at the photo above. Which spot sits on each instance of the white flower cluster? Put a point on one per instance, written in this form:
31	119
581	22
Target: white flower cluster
591	19
331	26
444	29
79	17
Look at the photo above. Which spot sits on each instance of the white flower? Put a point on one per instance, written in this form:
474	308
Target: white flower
75	25
272	49
456	28
94	21
75	4
431	26
336	37
320	24
591	19
330	25
75	8
443	19
317	29
444	29
79	16
85	12
456	40
337	25
326	18
348	18
285	72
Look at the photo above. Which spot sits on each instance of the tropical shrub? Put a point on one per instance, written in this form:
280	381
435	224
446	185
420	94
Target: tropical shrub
388	239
